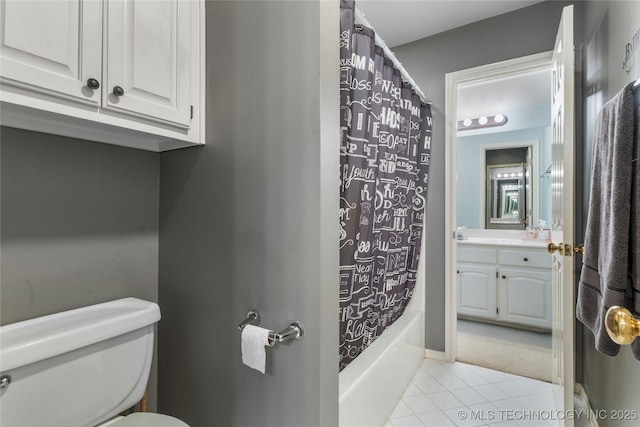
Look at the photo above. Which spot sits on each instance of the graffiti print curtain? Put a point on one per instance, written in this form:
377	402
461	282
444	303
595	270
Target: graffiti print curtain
386	138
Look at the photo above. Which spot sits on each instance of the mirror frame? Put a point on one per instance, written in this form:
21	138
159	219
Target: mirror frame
501	223
482	186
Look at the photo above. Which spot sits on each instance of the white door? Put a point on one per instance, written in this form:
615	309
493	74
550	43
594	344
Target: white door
562	188
148	59
52	47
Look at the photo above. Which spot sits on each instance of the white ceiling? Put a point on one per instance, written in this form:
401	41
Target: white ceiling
505	94
403	21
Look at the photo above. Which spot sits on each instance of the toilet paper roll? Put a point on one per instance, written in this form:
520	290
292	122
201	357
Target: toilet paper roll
253	341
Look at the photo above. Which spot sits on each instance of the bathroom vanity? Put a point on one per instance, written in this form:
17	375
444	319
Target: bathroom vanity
504	279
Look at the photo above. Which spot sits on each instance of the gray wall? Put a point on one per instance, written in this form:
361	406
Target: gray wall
249	222
611	383
512	35
79	224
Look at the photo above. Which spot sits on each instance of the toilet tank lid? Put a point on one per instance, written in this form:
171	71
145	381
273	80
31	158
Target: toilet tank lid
37	339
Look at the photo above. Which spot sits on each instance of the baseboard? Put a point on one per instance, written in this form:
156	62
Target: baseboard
433	354
591	416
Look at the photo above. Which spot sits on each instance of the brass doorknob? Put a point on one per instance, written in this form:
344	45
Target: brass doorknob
552	247
579	249
621	326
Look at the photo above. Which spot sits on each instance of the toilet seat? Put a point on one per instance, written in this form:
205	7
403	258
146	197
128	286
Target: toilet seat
148	419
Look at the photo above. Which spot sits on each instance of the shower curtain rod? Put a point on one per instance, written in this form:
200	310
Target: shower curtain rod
360	19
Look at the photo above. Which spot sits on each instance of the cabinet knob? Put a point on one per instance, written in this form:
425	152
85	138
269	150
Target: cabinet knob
504	277
526	259
93	83
457	271
118	91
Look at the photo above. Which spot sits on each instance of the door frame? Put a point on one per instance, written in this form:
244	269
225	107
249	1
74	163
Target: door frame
540	61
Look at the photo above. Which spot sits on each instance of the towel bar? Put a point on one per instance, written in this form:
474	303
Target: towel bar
621	326
295	331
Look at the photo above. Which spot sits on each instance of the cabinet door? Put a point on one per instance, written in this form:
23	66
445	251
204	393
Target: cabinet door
148	57
52	47
477	290
525	297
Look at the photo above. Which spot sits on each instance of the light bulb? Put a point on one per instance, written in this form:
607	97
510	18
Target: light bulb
467	122
499	118
483	120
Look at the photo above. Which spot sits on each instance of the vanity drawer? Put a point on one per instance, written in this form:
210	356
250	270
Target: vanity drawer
529	258
481	255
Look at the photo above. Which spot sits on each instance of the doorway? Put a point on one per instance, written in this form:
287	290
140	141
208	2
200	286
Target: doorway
499	201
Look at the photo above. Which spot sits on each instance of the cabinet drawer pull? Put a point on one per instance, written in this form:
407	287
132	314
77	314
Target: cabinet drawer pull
93	83
526	259
118	91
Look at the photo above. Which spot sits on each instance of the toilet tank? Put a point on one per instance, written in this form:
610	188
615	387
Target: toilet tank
76	368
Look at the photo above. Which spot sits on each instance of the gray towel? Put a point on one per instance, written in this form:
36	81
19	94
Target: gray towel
610	261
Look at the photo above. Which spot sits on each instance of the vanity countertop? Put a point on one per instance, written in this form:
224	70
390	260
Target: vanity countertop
493	241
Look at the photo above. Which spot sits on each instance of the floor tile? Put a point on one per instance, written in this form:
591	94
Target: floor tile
436	419
401	410
472	379
451	382
412	390
445	400
420	404
421	374
462	417
510	404
440	389
410	421
485	411
505	424
429	385
490	392
460	369
513	388
493	376
468	396
437	370
538	402
535	386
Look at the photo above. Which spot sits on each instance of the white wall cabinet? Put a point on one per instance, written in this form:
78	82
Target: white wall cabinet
122	72
505	284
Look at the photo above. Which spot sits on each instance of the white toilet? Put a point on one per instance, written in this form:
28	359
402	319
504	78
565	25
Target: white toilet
79	368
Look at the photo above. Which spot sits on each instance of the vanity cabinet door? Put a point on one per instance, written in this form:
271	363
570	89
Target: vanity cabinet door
476	286
149	61
525	297
52	48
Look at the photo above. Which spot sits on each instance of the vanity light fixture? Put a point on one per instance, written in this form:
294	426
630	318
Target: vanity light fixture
482	122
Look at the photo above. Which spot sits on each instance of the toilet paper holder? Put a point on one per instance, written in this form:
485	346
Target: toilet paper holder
294	331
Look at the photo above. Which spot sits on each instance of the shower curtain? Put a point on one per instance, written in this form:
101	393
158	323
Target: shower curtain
385	146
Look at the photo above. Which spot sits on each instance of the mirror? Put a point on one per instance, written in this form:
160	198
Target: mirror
506	196
524	139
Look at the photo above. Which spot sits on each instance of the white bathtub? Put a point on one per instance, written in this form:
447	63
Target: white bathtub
372	385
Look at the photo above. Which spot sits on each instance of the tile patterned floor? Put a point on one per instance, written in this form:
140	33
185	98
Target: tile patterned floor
445	394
